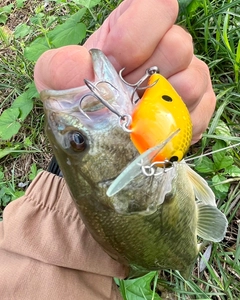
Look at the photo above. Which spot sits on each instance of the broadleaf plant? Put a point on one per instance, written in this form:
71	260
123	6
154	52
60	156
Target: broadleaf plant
12	117
72	32
139	288
219	168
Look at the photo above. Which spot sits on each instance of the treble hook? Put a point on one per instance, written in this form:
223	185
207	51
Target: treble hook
124	120
95	90
136	86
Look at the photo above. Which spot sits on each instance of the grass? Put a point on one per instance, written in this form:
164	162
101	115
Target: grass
24	149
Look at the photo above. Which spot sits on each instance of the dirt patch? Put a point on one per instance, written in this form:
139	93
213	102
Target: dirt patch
20	15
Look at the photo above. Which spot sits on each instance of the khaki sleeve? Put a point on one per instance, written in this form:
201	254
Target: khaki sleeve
46	251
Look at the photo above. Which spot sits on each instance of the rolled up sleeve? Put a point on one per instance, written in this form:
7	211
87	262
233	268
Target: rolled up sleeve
46	252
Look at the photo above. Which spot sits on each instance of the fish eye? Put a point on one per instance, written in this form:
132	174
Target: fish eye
167	98
77	140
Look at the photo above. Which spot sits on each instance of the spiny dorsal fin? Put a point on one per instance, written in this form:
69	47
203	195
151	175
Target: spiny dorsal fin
212	223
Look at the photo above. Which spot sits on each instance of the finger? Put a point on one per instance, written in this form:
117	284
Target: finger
171	56
192	83
63	68
131	35
202	114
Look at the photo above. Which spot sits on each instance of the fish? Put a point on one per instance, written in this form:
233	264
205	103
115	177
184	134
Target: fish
152	222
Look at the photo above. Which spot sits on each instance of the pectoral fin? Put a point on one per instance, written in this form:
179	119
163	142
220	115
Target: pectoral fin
212	223
201	189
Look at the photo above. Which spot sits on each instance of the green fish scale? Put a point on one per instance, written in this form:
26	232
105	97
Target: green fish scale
164	239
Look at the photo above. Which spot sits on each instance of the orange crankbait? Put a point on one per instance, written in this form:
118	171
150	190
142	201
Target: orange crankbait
158	114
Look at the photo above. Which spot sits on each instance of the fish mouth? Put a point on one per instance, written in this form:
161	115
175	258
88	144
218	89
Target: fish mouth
82	100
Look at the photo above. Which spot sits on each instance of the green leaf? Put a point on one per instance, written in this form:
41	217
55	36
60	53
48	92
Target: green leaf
218	180
24	102
183	4
36	19
36	48
21	107
232	171
20	3
7	150
139	288
4	197
22	30
70	33
75	18
9	124
221	161
7	8
51	20
3	18
87	3
222	129
4	12
204	165
34	171
188	6
194	5
17	194
27	142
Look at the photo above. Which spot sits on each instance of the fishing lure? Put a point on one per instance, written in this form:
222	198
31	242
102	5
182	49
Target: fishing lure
158	114
161	130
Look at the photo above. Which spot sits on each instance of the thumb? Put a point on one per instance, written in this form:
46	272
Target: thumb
63	68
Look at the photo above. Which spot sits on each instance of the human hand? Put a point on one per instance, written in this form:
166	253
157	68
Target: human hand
137	35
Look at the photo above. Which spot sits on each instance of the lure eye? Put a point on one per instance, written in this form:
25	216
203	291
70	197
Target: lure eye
77	141
173	159
167	98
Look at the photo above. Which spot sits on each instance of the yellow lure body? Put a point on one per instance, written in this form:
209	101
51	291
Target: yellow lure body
158	114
